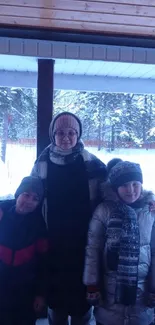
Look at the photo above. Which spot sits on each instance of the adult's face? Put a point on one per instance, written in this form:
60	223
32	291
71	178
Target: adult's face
66	138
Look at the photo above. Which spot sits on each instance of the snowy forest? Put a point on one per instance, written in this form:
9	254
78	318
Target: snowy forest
110	120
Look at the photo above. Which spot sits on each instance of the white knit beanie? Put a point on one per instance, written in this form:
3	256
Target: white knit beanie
65	120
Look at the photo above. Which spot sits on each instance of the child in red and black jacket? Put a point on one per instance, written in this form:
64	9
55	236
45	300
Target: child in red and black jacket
23	254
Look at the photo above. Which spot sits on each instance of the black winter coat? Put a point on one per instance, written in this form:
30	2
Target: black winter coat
69	213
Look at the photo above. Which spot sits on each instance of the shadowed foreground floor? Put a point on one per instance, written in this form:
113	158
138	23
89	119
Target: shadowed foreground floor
45	322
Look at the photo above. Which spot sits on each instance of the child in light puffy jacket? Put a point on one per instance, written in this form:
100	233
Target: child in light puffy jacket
120	254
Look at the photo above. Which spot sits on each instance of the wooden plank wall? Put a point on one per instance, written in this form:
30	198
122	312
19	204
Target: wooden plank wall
129	17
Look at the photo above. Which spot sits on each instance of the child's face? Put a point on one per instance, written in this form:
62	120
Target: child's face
130	192
27	202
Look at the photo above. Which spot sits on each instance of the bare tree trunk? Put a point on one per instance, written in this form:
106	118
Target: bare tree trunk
5	126
129	103
99	137
112	137
150	112
4	136
99	126
144	119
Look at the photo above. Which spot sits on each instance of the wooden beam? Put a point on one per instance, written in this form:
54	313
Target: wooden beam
72	36
45	87
80	83
74	26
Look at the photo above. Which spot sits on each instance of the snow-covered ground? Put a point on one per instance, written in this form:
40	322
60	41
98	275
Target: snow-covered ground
19	162
20	159
4	180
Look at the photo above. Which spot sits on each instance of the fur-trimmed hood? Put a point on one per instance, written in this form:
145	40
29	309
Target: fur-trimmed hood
147	197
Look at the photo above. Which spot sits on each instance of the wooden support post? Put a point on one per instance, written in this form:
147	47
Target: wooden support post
45	89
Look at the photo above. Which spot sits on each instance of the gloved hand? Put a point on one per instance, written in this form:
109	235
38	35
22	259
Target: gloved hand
152	206
151	300
39	304
93	296
1	214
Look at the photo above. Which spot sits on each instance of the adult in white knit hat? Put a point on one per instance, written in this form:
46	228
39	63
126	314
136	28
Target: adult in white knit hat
73	179
65	130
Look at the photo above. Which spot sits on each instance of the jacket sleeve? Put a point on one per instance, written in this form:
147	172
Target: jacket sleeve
101	175
42	258
40	169
95	247
35	170
6	205
151	283
40	166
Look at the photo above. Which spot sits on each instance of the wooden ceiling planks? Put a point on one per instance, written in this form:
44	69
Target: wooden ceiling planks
126	17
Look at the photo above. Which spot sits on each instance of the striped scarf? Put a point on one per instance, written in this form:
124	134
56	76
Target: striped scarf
123	252
95	170
63	157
